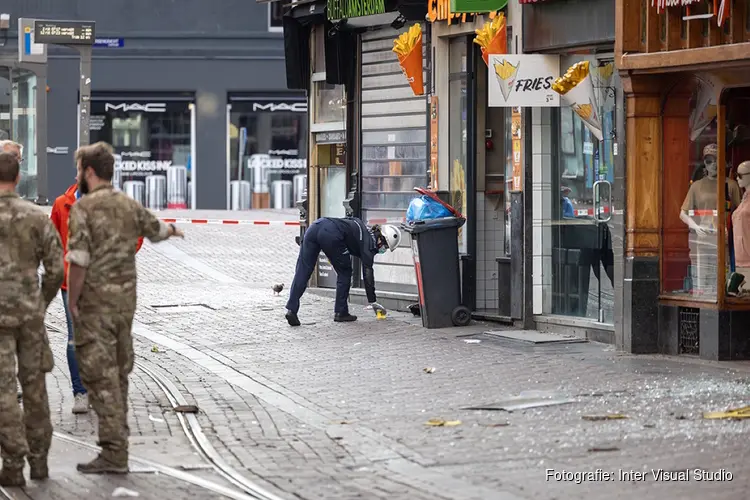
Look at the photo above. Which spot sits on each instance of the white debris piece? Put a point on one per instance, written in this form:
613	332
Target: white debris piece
124	492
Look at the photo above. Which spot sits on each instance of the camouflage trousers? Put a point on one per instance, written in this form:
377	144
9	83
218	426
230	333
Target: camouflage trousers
104	351
28	432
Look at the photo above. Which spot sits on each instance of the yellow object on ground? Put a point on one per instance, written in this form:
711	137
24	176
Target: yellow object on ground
743	412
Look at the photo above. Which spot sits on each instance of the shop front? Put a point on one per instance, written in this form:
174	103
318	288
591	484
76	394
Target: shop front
266	150
153	139
368	127
575	167
687	78
471	150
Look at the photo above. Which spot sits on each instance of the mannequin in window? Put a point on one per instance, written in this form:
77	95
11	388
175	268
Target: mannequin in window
701	198
568	212
741	225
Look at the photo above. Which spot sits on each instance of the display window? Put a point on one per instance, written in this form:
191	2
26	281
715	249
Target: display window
577	208
457	129
267	151
705	207
18	122
153	140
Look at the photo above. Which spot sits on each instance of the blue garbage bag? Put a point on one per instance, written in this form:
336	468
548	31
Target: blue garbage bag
425	208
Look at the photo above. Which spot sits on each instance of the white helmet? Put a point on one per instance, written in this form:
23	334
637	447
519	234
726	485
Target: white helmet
392	235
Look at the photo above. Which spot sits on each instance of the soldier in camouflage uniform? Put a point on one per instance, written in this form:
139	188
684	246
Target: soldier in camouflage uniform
27	237
16	149
104	228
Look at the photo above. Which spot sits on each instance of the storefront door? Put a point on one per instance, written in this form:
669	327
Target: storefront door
578	233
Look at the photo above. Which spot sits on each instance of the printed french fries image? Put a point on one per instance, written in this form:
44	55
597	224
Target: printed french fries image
408	48
576	89
506	76
492	37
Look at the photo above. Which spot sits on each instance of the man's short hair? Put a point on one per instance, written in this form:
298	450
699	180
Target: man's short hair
9	167
7	145
100	157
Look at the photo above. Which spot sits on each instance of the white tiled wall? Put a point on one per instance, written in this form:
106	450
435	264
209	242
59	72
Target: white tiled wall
490	245
542	212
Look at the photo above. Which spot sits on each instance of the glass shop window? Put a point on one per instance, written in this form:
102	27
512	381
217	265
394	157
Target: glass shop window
693	186
736	103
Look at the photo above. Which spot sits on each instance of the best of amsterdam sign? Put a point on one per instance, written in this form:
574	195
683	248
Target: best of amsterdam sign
347	9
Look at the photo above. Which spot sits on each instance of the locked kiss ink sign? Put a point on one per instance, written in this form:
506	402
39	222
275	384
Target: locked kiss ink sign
523	80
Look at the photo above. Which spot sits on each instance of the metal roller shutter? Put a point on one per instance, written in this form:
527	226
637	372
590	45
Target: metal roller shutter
394	150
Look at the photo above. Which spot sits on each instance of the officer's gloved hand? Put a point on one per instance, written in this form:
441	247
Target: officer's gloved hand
377	307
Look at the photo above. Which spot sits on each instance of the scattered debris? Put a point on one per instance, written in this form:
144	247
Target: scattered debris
437	422
186	409
429	370
503	424
154	419
681	417
649	426
737	413
155	349
611	416
344	422
603	448
525	400
124	492
472	341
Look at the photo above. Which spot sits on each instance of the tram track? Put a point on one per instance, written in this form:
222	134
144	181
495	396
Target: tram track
246	489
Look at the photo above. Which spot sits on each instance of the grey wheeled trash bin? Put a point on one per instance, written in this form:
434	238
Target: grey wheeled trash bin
434	244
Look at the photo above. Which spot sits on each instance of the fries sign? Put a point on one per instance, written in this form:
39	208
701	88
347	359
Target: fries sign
408	48
523	80
577	91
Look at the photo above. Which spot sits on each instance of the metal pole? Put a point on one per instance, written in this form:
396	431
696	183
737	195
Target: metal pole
42	182
85	95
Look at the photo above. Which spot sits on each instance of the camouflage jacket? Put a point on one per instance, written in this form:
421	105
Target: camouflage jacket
27	237
103	233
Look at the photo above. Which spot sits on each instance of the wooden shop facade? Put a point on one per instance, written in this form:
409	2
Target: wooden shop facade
685	70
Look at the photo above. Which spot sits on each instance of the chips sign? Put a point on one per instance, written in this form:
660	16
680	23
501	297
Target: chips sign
523	80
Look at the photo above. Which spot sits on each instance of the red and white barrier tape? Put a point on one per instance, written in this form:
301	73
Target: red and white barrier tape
230	222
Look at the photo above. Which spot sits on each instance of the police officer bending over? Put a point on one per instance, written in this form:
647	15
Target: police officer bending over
340	239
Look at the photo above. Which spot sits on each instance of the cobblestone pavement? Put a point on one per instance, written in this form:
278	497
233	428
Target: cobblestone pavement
338	411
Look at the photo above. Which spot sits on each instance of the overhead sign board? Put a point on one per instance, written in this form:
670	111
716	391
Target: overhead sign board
523	80
477	6
346	9
64	32
29	50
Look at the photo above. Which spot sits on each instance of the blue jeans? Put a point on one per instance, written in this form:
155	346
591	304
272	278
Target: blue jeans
75	377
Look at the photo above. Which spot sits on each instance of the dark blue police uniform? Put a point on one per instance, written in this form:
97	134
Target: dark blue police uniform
339	239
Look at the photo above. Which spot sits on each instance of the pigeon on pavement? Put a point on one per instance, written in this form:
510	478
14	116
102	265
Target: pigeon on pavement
278	288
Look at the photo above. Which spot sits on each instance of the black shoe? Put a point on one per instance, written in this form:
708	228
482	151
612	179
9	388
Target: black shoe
292	319
344	318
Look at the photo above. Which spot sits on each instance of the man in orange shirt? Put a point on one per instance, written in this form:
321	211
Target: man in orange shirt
60	215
